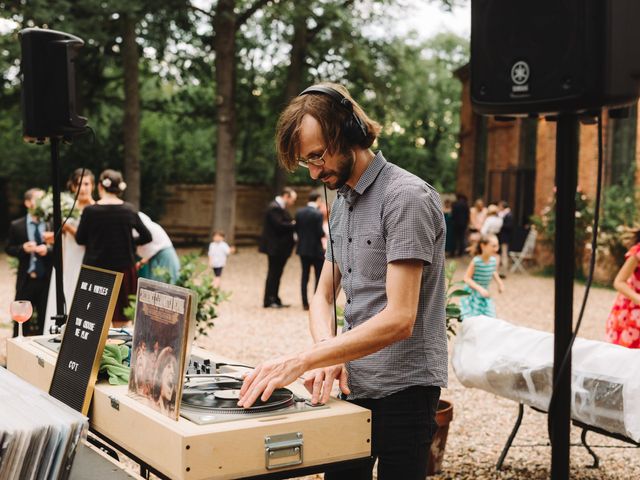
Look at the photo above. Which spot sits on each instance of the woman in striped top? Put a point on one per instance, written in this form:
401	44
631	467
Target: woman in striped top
482	268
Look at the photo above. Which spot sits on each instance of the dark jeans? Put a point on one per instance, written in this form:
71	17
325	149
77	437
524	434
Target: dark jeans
307	263
276	267
403	425
36	291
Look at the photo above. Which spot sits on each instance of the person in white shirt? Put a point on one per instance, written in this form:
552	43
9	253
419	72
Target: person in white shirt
157	254
493	223
219	250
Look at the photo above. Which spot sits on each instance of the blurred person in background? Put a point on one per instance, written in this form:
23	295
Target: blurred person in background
277	243
309	221
107	231
35	257
82	183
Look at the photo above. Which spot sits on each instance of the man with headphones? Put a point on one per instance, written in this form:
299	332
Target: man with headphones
386	251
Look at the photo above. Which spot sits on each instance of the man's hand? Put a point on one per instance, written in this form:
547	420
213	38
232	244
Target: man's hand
41	250
48	237
267	377
29	247
319	382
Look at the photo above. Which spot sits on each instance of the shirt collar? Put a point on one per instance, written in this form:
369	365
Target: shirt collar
312	204
366	179
32	220
280	201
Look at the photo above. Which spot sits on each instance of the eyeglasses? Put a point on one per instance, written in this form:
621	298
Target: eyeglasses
313	159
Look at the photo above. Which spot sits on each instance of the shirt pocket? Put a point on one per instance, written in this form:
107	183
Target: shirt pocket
371	256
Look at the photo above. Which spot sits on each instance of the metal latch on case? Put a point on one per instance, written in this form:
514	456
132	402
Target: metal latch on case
40	360
114	402
283	450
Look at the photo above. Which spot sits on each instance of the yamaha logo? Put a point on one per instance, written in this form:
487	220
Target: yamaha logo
520	73
520	77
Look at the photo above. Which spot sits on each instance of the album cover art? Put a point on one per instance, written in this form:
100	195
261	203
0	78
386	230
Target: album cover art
162	334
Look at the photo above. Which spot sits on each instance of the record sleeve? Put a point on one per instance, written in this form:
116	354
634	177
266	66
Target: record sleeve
162	338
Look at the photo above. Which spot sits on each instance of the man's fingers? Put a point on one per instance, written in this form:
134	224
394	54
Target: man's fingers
308	384
344	384
326	388
317	388
271	386
248	380
252	394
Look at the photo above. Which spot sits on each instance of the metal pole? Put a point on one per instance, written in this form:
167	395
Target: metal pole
60	317
566	179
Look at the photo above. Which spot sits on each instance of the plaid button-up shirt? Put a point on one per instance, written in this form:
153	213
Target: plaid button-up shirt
391	215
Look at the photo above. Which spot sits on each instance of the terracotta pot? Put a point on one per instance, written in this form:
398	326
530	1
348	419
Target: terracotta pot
444	415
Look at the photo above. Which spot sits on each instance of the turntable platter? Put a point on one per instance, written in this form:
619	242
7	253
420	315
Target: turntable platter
226	400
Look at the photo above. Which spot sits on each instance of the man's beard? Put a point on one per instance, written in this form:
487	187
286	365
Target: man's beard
342	174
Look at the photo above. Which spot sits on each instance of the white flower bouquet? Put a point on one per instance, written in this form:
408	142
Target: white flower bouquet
44	206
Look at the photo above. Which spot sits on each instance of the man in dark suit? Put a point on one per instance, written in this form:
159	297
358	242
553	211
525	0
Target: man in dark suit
460	221
26	242
310	233
277	242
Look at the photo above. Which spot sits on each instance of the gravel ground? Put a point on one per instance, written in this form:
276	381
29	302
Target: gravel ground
482	422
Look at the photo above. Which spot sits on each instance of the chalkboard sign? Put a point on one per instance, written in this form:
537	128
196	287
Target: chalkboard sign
84	337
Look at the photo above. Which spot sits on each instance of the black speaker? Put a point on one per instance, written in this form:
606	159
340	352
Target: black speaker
48	84
553	56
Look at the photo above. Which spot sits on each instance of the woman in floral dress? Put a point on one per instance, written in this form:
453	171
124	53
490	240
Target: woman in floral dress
623	324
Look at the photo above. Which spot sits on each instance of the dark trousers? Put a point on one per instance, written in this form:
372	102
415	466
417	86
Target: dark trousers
36	291
276	267
459	243
403	425
307	263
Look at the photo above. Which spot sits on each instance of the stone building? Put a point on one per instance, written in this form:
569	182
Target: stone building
515	160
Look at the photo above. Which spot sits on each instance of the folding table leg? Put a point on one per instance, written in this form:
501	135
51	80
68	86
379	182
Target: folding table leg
512	436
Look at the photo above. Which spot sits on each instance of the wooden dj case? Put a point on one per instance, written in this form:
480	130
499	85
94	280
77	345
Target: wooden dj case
268	446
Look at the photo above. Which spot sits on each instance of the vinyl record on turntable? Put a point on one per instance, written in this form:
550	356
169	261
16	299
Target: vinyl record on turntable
226	400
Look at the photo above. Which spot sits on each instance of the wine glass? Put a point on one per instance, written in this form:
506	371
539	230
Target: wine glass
21	311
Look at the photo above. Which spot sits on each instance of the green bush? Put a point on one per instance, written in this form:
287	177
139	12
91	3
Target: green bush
191	276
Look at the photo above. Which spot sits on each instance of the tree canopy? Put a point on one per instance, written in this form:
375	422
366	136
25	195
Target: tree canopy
180	62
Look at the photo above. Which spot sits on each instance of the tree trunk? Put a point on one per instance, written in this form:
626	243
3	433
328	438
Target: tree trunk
225	65
131	122
294	82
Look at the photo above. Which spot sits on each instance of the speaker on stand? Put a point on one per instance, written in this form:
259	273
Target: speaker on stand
49	113
565	58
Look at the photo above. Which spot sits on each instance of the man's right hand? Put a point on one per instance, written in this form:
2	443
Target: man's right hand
319	382
29	247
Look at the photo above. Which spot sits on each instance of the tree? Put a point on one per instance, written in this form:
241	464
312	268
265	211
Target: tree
227	22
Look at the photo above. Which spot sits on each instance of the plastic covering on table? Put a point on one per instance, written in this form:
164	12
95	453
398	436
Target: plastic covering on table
517	363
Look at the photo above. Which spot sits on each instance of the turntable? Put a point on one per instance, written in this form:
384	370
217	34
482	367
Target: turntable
283	437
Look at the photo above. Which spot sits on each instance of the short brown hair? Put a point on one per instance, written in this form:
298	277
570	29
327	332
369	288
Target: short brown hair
330	115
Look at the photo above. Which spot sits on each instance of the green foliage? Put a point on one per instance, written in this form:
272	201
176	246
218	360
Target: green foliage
546	222
405	84
452	309
619	218
191	276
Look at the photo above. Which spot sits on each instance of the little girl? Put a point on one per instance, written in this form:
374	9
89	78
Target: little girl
482	268
623	324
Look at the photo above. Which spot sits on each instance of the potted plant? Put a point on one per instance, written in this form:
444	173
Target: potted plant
444	414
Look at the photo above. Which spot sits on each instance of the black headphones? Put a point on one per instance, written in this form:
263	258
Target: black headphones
354	128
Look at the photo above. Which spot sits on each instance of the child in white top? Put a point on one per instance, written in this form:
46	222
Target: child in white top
219	250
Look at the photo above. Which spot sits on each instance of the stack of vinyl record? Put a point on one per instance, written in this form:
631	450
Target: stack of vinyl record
38	434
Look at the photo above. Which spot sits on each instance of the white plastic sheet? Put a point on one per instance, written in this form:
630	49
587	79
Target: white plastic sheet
517	363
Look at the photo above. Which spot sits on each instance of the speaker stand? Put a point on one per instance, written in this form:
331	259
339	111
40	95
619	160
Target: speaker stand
566	178
60	317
